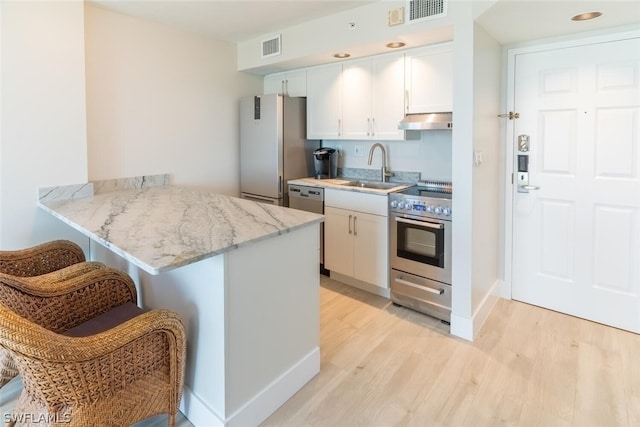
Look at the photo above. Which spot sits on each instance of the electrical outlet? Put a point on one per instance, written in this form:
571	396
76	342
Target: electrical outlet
358	150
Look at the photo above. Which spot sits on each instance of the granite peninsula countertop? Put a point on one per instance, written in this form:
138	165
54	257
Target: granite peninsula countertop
162	227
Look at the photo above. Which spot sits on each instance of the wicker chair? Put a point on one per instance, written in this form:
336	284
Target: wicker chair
55	261
41	259
112	370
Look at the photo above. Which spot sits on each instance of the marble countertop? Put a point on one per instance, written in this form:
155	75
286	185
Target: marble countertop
339	183
160	228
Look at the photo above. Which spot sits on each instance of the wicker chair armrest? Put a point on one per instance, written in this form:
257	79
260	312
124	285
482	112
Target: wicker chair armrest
66	273
124	351
59	305
41	259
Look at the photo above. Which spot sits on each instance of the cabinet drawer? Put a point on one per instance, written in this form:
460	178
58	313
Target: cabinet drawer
376	204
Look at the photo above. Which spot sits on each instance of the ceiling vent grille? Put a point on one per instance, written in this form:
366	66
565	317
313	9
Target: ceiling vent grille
272	46
422	10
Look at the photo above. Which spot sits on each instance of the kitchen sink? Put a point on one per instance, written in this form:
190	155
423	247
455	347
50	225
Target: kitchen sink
376	185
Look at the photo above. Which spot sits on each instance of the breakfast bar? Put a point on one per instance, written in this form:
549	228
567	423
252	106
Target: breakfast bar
242	275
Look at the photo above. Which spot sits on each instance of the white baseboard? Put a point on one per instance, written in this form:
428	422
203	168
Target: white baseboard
467	328
197	412
262	405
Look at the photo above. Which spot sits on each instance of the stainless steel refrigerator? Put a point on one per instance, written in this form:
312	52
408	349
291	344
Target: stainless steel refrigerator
273	146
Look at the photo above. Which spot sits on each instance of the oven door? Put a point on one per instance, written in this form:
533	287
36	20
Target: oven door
421	246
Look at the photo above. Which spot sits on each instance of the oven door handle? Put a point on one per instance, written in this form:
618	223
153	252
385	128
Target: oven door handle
420	223
422	288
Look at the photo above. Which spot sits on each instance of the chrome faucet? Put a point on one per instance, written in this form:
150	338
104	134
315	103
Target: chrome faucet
384	171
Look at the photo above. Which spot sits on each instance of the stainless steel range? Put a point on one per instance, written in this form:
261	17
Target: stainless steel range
420	248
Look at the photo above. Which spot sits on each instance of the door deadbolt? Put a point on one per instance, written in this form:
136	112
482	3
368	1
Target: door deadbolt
523	165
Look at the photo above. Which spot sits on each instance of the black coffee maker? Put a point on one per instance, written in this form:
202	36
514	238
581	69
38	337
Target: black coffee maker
325	161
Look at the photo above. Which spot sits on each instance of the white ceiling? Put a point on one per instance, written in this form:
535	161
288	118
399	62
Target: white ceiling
515	21
232	21
508	21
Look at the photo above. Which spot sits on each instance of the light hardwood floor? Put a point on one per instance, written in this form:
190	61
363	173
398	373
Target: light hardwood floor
384	365
389	366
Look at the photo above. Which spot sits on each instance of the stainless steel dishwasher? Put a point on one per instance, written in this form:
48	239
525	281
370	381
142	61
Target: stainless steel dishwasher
310	199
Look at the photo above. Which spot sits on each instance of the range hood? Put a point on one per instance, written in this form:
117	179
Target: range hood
426	121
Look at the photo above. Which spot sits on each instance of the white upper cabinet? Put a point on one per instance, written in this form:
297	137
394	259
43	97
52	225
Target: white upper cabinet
373	98
324	102
387	96
291	83
356	99
429	79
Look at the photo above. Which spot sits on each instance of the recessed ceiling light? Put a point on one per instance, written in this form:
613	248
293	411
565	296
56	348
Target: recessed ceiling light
586	16
395	45
341	55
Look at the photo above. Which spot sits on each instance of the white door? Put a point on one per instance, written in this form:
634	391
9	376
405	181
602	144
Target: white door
576	240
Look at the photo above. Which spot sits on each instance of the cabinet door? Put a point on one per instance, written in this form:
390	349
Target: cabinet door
324	102
291	83
274	84
387	97
371	260
295	83
338	240
356	100
429	79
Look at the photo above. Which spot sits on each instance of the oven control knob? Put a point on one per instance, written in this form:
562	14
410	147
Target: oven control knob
394	204
439	210
408	206
446	211
430	209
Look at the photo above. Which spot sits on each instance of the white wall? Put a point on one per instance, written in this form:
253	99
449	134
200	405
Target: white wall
43	134
462	174
487	176
161	100
1	97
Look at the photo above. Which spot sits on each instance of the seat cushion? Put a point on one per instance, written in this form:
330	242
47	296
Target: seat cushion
106	321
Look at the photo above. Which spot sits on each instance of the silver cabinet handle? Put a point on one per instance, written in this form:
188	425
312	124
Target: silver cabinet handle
339	127
368	126
422	288
373	127
350	216
406	100
355	218
529	187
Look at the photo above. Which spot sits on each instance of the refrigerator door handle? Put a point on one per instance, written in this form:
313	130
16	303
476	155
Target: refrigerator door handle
280	183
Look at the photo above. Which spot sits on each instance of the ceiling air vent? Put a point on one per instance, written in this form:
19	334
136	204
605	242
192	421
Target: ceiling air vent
271	47
422	10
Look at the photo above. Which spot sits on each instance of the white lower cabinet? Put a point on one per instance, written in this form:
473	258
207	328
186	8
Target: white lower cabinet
356	242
